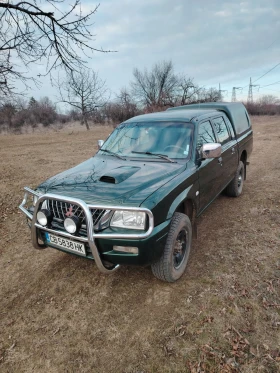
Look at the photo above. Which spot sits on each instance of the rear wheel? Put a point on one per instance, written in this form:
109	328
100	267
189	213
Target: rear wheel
172	264
234	189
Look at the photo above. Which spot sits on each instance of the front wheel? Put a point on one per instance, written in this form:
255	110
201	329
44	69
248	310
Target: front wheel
172	264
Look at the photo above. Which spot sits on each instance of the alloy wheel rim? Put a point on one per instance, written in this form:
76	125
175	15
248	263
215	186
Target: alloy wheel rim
180	248
240	180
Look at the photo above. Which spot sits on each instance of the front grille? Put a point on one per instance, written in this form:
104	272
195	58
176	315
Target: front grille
61	210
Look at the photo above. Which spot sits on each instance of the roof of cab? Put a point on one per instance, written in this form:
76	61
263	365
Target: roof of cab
177	115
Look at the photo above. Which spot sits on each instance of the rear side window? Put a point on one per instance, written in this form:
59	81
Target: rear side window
229	125
205	134
221	129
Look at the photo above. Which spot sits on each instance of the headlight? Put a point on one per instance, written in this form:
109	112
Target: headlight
72	225
44	217
129	220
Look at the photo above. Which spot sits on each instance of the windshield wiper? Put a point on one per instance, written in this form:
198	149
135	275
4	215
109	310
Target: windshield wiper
112	153
163	156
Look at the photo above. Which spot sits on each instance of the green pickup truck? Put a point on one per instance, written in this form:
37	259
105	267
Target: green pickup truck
137	200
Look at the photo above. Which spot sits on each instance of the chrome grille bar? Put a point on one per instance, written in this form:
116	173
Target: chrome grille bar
59	209
98	217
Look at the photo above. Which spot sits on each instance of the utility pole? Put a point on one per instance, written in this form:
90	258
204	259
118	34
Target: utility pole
233	96
220	92
250	92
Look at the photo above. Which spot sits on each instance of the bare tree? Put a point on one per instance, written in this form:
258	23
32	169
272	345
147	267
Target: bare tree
265	105
127	104
187	91
162	87
268	100
208	95
85	91
37	31
8	110
157	87
123	108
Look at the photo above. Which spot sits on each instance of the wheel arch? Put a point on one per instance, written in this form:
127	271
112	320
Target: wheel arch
186	203
188	208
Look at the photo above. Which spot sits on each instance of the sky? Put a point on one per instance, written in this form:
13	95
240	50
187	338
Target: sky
217	41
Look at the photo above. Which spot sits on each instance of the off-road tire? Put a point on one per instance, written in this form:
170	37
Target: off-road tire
234	188
164	268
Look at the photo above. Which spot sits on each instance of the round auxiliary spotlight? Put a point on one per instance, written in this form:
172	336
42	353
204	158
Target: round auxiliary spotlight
72	225
44	217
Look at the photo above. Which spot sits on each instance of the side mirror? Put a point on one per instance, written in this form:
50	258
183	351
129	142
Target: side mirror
210	150
100	143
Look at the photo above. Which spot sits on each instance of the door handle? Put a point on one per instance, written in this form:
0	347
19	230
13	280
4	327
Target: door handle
232	150
220	161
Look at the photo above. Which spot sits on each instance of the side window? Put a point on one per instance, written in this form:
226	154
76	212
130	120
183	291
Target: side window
229	125
221	130
205	134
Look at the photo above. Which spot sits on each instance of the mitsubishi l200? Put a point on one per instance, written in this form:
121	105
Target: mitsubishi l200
136	201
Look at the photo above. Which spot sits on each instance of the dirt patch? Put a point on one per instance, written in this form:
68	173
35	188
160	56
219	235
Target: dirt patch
59	314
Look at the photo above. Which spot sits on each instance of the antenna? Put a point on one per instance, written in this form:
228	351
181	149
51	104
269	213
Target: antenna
233	96
250	92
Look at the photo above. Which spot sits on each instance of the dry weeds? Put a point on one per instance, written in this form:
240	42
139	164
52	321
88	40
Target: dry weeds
59	314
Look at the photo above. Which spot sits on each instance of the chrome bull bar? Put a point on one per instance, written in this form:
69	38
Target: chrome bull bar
91	235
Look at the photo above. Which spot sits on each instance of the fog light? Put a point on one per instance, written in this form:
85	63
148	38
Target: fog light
44	217
126	249
72	225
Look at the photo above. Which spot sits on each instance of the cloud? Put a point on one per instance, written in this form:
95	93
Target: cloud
219	41
223	13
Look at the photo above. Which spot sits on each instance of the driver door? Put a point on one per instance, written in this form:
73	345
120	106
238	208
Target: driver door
209	170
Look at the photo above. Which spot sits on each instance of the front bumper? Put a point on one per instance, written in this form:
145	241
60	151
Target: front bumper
99	244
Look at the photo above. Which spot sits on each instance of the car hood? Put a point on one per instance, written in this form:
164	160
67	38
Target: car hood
108	180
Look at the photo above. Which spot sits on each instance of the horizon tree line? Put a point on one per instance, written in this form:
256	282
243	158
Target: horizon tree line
88	98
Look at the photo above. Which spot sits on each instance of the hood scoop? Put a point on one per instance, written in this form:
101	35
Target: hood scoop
108	179
119	174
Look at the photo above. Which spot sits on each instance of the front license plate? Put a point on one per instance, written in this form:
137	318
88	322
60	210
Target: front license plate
64	243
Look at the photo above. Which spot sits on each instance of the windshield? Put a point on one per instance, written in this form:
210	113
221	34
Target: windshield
172	139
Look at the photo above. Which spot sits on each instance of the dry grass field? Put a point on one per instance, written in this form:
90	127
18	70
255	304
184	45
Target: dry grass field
59	314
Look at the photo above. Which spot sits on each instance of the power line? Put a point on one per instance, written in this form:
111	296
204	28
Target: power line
266	73
273	90
270	84
271	44
262	75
